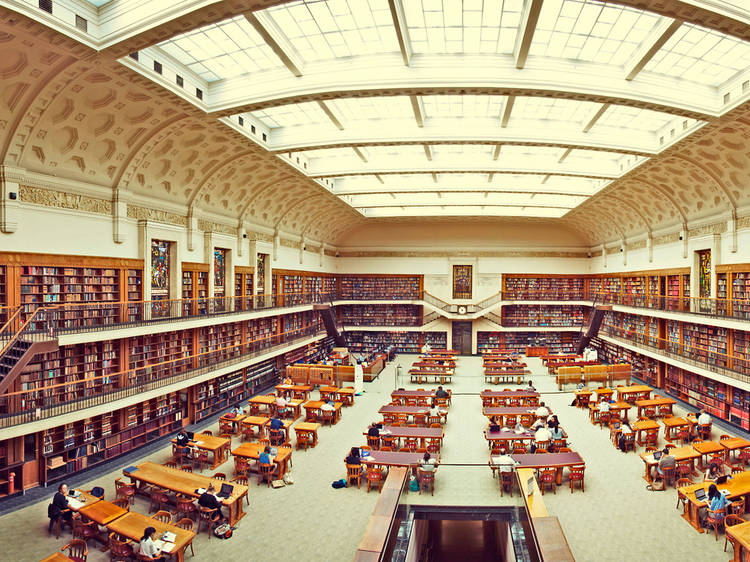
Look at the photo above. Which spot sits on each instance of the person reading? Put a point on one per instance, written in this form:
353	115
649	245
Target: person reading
716	470
147	545
353	457
59	507
209	500
440	393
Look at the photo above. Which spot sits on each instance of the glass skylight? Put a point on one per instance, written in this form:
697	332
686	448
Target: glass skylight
327	29
468	211
465	106
553	109
458	199
390	107
223	50
700	55
307	113
590	31
456	26
625	117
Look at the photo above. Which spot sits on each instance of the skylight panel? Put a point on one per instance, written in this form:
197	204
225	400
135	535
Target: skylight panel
464	106
590	31
462	150
295	114
625	117
553	109
326	29
701	55
453	26
455	211
223	50
391	107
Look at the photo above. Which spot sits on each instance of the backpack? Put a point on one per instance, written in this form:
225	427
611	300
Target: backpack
413	484
223	531
98	492
339	483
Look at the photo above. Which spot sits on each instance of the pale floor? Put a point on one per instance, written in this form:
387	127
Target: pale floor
615	519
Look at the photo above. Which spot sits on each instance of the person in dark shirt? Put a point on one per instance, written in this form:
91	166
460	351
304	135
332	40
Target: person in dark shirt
440	393
182	439
373	431
60	507
210	501
276	423
494	425
354	457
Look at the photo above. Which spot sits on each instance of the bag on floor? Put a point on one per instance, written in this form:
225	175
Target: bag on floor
339	483
413	484
288	478
657	485
223	531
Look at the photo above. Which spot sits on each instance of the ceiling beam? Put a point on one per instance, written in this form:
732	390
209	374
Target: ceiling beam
418	107
507	111
428	152
276	40
359	153
496	153
650	46
401	29
526	28
347	170
596	117
379	178
490	177
484	204
474	189
564	155
434	177
331	115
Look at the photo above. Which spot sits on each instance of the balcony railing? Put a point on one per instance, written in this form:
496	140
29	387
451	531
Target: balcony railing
47	400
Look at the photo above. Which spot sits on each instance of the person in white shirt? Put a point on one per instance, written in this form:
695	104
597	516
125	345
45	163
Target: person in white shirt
428	463
531	387
147	545
604	407
703	418
281	401
434	412
504	462
542	411
626	429
238	410
327	407
542	434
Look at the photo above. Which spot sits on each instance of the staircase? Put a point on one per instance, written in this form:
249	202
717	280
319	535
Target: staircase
329	321
19	345
592	328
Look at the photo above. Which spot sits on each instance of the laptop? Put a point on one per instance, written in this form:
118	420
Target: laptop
722	479
700	494
617	425
657	455
226	491
190	434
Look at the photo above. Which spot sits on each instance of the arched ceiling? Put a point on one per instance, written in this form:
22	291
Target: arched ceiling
318	129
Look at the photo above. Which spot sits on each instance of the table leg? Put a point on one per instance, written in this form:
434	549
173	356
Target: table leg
558	476
647	476
693	518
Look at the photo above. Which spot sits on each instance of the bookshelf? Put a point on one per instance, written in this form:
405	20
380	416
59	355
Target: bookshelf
674	292
741	351
643	367
11	462
403	342
201	294
739	408
674	336
530	287
262	328
380	315
517	342
740	294
224	337
83	444
310	353
543	316
634	290
707	344
400	287
150	350
243	287
698	391
3	296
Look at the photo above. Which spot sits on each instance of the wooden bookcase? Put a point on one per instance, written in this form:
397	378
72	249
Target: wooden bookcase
380	287
152	350
194	286
243	287
543	287
543	315
380	315
557	342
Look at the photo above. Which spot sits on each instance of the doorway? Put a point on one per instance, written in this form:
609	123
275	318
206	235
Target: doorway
462	337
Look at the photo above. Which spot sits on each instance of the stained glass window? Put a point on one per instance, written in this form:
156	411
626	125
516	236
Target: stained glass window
219	268
160	268
704	263
461	281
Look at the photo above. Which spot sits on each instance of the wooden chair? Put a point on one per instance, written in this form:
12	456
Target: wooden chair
171	464
729	521
326	417
84	530
510	421
77	549
122	503
162	516
542	446
266	471
683	436
374	476
737	507
144	558
724	436
185	506
386	448
276	437
604	418
547	478
124	490
206	432
354	472
188	525
241	466
527	419
669	475
387	441
219	476
160	499
426	479
520	449
704	431
507	480
186	468
205	518
433	446
304	440
629	442
715	518
744	457
119	549
684	470
411	444
200	458
681	499
652	438
373	442
576	476
651	449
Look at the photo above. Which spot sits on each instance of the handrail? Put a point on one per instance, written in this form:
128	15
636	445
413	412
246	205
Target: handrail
434	301
9	330
23	329
489	301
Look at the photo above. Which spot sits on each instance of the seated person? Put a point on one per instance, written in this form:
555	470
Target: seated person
494	426
703	418
428	463
59	506
625	428
434	412
504	463
531	387
353	457
182	439
542	434
440	393
208	499
328	406
552	420
557	431
542	411
265	456
238	411
716	500
603	406
580	386
373	431
281	402
666	461
147	546
287	380
276	423
715	470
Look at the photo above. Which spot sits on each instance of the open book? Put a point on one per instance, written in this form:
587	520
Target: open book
164	546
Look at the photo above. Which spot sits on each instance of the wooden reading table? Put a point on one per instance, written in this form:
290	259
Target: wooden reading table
621	407
103	512
603	394
643	425
265	403
421	433
686	453
674	424
295	390
527	397
56	557
313	411
393	458
256	421
655	403
310	428
741	534
133	524
502	411
629	393
253	451
413	394
419	376
734	444
548	460
707	448
738	486
503	435
186	483
285	429
215	445
235	420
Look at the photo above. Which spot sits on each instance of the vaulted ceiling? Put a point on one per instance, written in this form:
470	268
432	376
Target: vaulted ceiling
540	109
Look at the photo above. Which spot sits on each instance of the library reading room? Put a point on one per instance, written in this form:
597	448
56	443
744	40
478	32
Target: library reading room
374	280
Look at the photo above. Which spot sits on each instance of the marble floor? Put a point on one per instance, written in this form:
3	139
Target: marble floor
615	519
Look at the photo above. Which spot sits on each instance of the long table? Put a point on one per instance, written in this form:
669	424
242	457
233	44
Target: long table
502	411
558	461
621	407
393	458
410	410
186	483
525	396
643	425
493	376
741	534
419	376
655	403
215	445
313	411
132	525
504	434
738	486
421	433
627	393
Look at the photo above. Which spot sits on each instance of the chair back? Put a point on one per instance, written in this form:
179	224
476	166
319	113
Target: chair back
577	471
185	523
374	474
77	548
219	476
527	419
353	471
715	515
433	446
510	421
118	548
122	503
373	442
265	469
276	437
163	516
